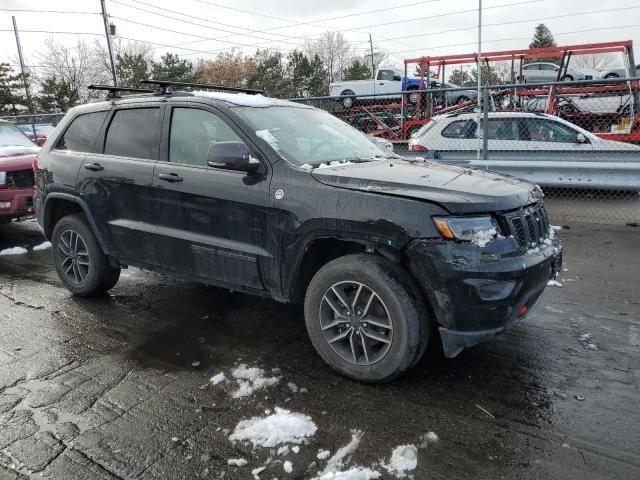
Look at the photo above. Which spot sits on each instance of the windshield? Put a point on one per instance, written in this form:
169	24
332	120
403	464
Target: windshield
11	136
307	136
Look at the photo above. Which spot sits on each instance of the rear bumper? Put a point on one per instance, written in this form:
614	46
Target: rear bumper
478	293
19	202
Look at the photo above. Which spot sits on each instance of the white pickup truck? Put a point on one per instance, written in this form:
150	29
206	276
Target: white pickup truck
393	81
387	80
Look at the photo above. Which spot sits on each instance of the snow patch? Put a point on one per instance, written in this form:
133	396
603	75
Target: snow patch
337	461
257	471
335	163
282	426
42	246
554	283
288	466
323	454
253	160
306	166
483	237
295	449
251	379
269	138
219	378
427	438
13	251
556	227
356	473
238	462
283	451
245	100
403	459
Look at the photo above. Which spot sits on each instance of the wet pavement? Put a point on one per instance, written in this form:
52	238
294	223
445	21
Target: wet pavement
118	386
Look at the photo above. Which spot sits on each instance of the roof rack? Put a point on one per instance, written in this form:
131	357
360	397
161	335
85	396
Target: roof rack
113	91
165	85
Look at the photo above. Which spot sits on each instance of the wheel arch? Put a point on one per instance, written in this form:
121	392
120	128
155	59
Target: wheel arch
58	205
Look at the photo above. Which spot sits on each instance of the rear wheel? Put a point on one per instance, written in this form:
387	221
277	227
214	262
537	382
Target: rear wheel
79	261
462	99
567	78
347	101
365	318
611	75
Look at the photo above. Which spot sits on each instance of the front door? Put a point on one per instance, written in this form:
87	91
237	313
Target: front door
212	222
116	183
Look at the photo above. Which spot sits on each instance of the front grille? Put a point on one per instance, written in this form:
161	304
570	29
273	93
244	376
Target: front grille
20	179
529	226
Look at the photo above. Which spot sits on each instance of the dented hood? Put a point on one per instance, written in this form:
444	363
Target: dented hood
459	190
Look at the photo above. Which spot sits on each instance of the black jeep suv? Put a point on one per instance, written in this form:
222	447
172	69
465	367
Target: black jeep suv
282	200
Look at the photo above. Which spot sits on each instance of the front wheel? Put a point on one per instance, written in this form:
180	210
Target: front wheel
347	100
611	75
567	78
79	261
365	318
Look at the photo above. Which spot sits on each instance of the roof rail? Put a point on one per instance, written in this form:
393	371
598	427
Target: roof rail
114	90
164	86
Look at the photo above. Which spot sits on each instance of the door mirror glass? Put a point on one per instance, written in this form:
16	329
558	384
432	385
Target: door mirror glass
397	78
580	138
232	155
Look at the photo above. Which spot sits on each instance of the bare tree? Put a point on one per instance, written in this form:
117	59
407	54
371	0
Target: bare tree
79	66
334	50
231	69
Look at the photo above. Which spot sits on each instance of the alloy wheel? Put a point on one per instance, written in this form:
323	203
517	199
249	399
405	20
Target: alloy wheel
356	323
74	256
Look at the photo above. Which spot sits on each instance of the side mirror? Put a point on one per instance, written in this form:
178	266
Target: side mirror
397	78
580	138
231	156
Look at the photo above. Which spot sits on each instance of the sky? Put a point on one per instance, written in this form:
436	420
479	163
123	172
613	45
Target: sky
400	28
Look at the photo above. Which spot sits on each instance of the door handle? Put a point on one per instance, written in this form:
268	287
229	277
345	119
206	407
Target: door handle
381	83
170	177
94	167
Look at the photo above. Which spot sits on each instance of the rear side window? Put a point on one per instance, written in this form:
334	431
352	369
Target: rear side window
133	132
460	129
81	135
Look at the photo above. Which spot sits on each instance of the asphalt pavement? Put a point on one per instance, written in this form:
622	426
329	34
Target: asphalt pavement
120	386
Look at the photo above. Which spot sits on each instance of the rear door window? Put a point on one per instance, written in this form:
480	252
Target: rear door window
502	129
134	133
81	135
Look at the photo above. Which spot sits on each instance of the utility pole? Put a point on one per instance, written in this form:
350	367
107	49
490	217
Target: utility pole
105	18
480	131
24	80
373	65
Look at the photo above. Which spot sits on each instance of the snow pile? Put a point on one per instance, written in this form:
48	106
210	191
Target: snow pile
42	246
586	340
356	473
238	462
427	438
219	378
269	138
280	427
288	466
251	379
403	459
553	283
13	251
483	237
257	471
323	454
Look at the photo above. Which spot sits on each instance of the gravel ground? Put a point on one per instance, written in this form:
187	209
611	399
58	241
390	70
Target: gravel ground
119	386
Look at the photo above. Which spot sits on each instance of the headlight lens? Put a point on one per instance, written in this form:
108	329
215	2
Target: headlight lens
3	178
470	229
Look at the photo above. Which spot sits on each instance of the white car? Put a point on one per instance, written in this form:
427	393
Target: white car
540	148
540	72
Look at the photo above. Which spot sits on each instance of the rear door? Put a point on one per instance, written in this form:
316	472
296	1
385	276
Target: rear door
212	223
116	182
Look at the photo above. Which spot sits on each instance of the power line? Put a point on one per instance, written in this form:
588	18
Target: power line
52	31
47	11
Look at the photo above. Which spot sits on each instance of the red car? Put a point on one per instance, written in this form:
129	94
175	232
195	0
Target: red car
16	172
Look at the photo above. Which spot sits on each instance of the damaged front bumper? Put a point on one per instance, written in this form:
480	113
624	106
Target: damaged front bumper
477	293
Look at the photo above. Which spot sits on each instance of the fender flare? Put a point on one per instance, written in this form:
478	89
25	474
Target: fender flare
85	209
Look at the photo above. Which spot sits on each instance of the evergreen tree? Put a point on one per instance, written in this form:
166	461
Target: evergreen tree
172	67
57	95
542	37
12	97
298	73
131	69
357	71
270	73
461	78
319	80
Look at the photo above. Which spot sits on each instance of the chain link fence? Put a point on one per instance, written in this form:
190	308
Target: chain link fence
575	139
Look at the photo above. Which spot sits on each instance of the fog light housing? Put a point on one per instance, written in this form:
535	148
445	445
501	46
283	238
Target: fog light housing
523	310
5	205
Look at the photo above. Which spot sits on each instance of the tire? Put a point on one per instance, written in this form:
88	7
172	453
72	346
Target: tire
611	75
395	305
567	78
461	99
413	96
79	261
347	102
